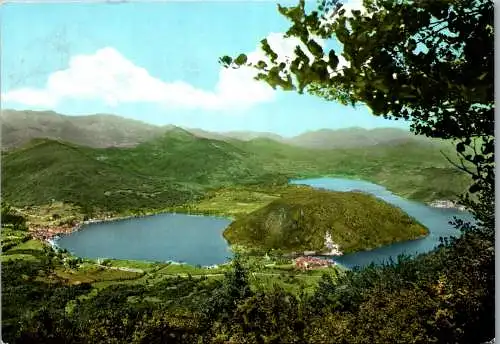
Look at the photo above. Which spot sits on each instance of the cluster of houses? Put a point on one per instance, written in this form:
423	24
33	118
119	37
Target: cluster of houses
447	204
310	263
48	233
45	233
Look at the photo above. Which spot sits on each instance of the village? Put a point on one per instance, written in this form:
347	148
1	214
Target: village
304	262
49	233
312	263
446	204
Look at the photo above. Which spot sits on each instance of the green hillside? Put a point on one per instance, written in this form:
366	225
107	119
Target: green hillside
49	170
181	156
416	170
176	166
302	217
170	170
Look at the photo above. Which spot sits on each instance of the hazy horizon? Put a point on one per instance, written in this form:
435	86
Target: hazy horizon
235	130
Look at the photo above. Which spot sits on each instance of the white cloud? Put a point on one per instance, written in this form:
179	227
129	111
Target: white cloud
348	6
108	76
284	47
353	5
30	97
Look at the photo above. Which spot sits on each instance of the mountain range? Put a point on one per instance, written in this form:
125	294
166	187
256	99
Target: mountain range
105	130
108	162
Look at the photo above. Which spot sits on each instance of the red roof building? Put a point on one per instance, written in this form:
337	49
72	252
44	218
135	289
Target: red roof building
309	263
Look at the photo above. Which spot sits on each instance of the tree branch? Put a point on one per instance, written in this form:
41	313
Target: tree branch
461	167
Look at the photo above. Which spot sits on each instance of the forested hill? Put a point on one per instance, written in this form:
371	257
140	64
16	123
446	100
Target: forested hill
176	166
303	218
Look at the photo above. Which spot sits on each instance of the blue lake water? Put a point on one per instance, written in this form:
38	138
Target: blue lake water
164	237
198	239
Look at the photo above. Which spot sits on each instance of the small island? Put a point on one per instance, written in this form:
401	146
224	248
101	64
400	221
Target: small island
323	222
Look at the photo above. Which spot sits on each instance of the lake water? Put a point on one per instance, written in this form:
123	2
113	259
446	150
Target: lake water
435	219
164	237
198	239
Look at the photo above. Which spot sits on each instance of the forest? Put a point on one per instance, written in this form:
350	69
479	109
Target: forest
302	218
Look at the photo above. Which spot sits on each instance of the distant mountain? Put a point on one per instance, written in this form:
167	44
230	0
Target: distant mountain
206	134
323	138
251	135
238	135
353	137
100	130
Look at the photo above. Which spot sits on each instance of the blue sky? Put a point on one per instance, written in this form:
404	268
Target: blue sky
157	62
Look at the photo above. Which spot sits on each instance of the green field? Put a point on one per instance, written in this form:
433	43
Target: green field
265	275
13	237
28	250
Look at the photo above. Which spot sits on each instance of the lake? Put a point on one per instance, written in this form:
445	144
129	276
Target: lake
198	239
164	237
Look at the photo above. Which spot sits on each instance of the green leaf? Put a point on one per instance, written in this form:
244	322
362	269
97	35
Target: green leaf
261	65
267	49
225	61
482	76
315	48
333	60
241	59
460	147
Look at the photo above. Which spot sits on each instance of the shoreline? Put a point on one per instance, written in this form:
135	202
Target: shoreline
51	234
332	256
54	235
118	218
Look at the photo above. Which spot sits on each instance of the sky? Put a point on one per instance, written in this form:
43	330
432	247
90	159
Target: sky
158	62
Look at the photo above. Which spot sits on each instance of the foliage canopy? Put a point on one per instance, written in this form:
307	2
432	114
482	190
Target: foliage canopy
429	62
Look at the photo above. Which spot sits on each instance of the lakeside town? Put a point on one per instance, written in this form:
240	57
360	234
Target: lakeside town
307	260
49	231
447	204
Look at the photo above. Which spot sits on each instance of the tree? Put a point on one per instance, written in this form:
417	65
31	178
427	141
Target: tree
9	216
163	327
220	306
47	325
268	317
429	62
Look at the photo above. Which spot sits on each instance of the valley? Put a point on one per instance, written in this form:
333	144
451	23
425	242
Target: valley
176	170
178	167
66	191
248	172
